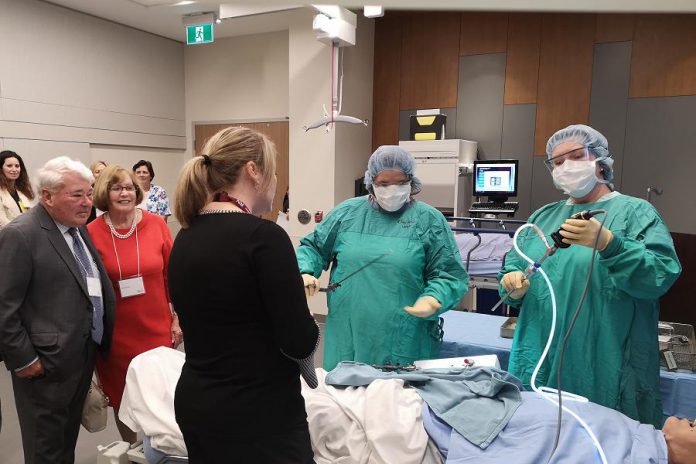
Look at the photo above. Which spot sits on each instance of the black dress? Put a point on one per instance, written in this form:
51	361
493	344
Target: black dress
235	283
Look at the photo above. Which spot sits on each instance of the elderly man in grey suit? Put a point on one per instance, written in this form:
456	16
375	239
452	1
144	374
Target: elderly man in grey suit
56	311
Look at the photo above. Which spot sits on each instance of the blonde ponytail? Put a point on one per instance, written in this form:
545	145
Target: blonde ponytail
192	192
224	155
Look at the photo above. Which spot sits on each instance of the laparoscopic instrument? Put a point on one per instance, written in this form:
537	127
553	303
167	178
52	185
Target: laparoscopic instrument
334	285
550	250
558	396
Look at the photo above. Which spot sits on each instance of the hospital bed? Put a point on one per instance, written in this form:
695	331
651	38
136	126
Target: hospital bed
483	250
384	423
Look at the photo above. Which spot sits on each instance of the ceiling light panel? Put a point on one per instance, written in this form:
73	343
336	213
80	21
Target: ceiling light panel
150	3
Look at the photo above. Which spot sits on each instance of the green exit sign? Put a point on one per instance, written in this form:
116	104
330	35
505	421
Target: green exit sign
199	34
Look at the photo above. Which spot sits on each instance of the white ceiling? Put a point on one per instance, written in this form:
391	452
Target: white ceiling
164	17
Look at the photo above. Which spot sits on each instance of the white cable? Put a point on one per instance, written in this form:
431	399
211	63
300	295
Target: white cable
548	393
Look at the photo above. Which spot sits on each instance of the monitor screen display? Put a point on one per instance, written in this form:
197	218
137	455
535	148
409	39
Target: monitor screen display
496	178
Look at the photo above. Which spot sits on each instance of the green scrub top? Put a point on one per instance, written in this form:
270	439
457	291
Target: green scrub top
612	355
366	320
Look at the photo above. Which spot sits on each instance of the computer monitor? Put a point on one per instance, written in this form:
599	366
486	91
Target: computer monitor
496	179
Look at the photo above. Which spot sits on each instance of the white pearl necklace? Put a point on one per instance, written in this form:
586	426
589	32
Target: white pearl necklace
113	230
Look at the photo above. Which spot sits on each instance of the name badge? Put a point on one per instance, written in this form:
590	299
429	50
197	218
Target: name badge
133	286
94	286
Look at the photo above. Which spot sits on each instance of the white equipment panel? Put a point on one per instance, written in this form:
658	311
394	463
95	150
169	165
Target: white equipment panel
443	166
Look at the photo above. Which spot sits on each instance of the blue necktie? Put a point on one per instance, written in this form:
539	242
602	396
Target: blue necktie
86	271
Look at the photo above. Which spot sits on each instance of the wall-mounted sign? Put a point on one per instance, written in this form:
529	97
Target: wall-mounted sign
199	34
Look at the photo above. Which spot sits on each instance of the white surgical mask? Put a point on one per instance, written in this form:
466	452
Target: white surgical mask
577	178
393	197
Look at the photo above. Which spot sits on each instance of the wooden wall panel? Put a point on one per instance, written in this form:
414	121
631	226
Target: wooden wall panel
483	33
202	133
522	67
614	28
565	74
278	132
430	60
663	62
387	81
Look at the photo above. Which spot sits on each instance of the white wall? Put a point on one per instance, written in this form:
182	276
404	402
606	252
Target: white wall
35	153
75	85
324	165
311	153
237	79
354	142
69	77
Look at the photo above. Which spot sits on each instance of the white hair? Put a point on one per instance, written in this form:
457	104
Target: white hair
50	176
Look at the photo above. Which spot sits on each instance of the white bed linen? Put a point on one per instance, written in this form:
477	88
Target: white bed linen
492	247
378	424
148	400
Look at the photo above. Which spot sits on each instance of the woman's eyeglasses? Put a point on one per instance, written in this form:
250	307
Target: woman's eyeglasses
579	154
387	184
120	188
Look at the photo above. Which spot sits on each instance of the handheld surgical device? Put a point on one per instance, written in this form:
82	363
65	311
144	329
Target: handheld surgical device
550	250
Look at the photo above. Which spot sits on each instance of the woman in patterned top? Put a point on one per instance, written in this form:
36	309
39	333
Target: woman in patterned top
155	198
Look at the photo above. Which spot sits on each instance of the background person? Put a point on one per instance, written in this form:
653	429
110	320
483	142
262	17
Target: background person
96	167
155	198
16	195
134	246
234	281
56	311
612	355
388	312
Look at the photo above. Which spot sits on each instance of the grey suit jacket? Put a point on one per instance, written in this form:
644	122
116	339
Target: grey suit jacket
44	304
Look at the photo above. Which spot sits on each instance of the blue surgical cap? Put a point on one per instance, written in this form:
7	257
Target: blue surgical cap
392	158
588	137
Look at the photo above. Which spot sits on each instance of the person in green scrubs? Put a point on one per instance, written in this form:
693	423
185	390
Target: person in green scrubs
612	355
387	313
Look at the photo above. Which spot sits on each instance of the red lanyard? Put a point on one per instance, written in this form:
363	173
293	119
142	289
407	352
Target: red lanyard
235	201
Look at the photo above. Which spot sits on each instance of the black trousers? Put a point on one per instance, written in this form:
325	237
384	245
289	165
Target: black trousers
50	410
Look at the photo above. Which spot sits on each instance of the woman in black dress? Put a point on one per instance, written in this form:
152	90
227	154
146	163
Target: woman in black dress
234	281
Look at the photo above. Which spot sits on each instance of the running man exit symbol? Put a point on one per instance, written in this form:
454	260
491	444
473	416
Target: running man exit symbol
199	34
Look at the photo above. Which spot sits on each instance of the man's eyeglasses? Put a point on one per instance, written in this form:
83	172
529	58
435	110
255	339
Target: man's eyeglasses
579	154
120	188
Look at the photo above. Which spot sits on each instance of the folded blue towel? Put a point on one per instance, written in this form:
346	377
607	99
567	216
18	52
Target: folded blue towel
477	402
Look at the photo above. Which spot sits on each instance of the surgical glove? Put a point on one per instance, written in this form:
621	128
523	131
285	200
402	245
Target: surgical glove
584	232
311	285
516	281
424	306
